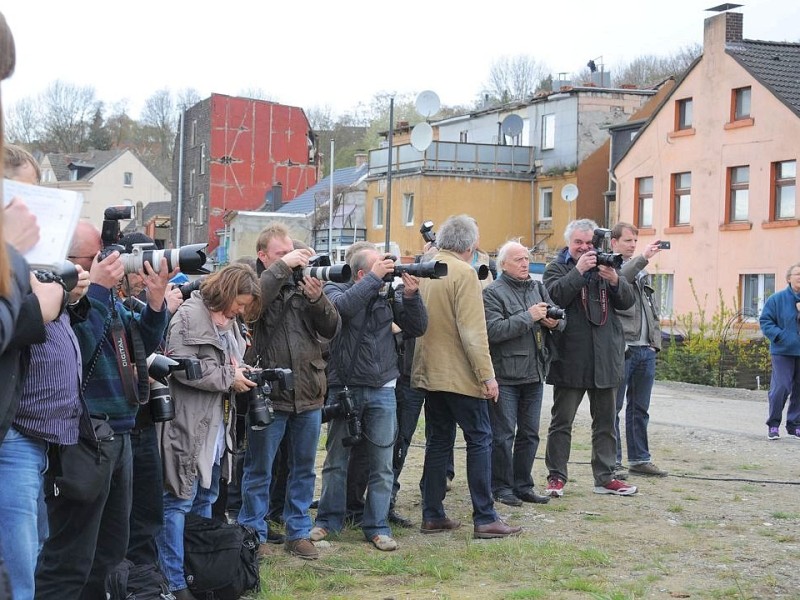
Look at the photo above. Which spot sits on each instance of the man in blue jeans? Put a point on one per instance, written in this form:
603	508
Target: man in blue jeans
642	330
364	365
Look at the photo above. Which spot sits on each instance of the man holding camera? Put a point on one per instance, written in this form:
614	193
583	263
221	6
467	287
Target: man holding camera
590	353
364	370
88	519
519	318
642	341
296	320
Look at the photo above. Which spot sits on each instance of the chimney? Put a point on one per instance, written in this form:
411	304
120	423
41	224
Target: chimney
733	27
722	29
361	158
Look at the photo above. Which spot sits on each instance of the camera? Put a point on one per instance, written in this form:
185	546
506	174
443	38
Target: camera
664	245
601	240
426	229
344	408
159	368
111	232
319	267
67	276
555	312
432	269
259	403
189	259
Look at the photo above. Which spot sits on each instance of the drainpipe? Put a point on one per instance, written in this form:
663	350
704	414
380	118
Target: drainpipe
180	182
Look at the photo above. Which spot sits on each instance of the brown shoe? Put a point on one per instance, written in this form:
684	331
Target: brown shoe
265	550
439	525
498	529
302	548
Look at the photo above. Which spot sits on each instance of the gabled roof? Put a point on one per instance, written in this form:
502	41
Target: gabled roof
775	65
317	195
93	159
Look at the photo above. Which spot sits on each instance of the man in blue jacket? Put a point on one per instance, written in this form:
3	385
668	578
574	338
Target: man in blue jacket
780	322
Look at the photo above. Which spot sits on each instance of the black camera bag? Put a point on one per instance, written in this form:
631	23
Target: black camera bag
220	560
129	581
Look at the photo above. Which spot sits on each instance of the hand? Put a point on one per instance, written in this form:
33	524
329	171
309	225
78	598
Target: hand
297	258
651	250
20	228
609	274
410	284
549	323
174	298
80	289
586	262
50	296
107	272
382	267
538	311
156	283
490	390
312	288
240	382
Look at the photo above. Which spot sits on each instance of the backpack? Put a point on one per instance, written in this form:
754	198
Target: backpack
220	560
128	581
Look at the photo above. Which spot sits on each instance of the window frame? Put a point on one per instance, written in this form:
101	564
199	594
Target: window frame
762	293
777	184
377	212
681	124
542	216
640	198
202	159
548	131
408	202
737	94
679	195
731	194
127	179
665	296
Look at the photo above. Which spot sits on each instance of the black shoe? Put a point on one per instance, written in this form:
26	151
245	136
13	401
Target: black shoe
533	497
399	520
274	537
509	499
314	504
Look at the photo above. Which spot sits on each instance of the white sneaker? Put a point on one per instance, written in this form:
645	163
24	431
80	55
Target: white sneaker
317	534
384	543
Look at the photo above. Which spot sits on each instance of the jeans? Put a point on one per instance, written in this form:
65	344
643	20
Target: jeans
302	432
785	381
170	538
378	409
640	372
602	402
517	410
23	460
409	406
87	539
443	410
147	510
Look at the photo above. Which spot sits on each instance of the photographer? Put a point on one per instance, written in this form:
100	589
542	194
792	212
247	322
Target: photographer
589	356
295	321
364	368
88	519
518	325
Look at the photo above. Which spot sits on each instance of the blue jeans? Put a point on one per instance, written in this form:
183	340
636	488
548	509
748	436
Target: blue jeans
785	381
378	409
302	433
170	538
443	410
640	372
515	437
23	460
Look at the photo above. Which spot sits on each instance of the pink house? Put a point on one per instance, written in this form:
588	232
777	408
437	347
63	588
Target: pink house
714	171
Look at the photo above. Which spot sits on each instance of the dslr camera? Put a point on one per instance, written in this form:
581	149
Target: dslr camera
320	267
601	240
66	275
159	367
344	408
555	312
432	269
259	403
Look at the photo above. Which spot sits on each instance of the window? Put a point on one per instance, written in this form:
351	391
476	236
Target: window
682	198
741	104
127	179
193	141
545	204
738	193
683	114
548	132
48	176
644	202
201	209
784	189
191	183
202	159
408	209
377	212
755	290
462	136
663	285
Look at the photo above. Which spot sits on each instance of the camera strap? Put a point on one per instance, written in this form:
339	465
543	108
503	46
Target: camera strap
125	361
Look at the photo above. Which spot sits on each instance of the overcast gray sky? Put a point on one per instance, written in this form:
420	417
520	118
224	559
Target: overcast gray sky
340	53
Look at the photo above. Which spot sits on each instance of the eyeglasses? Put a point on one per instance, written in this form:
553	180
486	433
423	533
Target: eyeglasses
90	257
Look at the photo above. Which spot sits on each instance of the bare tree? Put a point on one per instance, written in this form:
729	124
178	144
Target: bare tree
514	78
23	123
320	117
256	93
67	114
188	97
649	69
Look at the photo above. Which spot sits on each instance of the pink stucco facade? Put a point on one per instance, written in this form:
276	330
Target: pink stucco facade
712	250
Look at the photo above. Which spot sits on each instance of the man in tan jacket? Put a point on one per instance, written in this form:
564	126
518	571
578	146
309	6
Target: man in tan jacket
452	364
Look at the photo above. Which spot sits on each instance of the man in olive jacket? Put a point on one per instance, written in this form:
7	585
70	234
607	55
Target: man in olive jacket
296	320
590	357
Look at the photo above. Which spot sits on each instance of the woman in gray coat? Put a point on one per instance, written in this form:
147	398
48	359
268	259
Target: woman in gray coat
205	327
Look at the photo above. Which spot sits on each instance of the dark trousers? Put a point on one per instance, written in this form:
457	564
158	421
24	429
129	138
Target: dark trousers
357	480
86	539
785	383
443	410
147	508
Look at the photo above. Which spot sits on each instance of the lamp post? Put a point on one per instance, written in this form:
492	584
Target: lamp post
388	223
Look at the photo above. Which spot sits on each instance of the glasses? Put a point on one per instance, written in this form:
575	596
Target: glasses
89	257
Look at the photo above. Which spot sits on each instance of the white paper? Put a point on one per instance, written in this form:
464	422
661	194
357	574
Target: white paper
57	213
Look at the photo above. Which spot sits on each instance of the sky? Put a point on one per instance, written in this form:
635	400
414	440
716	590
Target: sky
337	55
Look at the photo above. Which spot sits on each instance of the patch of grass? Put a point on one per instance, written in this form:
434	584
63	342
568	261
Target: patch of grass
675	508
581	584
784	515
525	594
749	467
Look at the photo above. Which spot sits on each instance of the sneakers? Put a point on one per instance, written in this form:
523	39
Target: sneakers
647	468
774	433
317	534
616	487
620	472
384	543
795	434
555	487
302	548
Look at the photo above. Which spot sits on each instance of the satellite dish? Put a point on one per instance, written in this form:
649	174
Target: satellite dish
421	136
427	103
511	125
569	192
